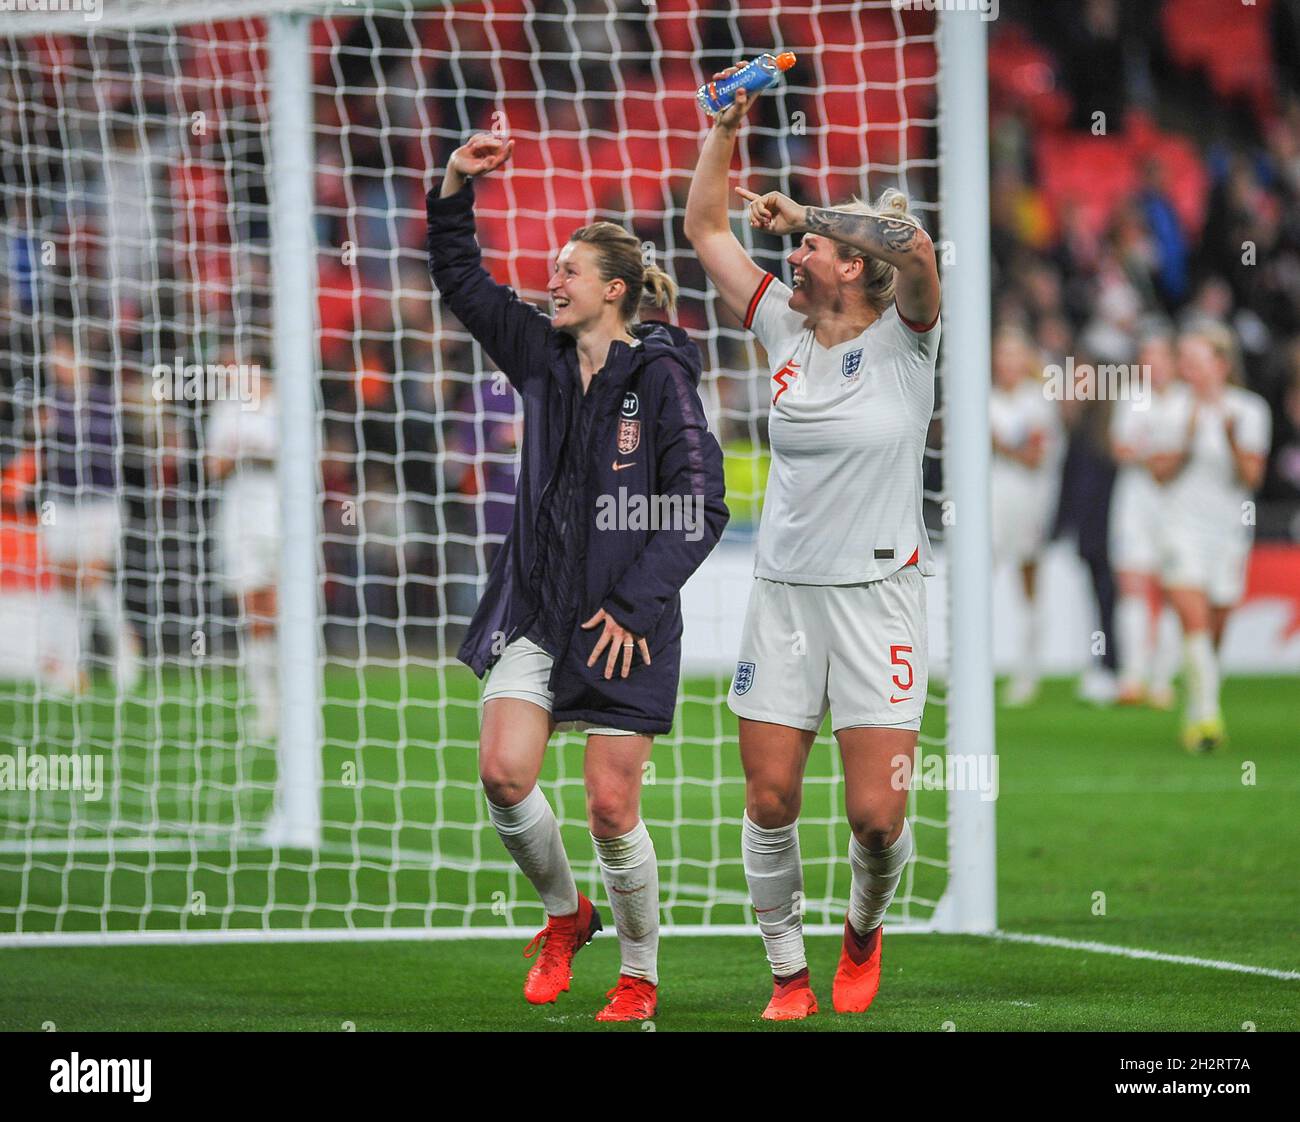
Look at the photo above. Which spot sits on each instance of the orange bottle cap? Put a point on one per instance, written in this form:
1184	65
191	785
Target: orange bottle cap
785	60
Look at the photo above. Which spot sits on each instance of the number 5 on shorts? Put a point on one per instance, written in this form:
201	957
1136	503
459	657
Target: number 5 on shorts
896	652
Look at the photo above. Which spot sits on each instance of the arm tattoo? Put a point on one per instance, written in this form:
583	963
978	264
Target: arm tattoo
880	237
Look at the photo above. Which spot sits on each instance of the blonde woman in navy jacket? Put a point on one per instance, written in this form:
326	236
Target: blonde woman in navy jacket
580	624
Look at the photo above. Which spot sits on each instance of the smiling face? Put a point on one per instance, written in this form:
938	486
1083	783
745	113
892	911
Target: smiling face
820	279
1157	353
578	296
1201	366
1012	360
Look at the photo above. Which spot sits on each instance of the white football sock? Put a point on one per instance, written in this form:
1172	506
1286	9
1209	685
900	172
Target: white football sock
1133	623
875	879
262	676
1164	663
60	643
1027	664
124	646
531	834
1202	677
774	872
631	875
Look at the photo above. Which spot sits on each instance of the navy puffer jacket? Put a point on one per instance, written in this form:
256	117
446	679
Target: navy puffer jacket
648	444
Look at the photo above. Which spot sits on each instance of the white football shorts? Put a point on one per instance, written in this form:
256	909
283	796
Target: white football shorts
523	672
1136	518
248	542
86	530
857	650
1192	557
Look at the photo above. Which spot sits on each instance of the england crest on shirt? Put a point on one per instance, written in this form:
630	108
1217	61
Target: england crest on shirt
744	678
851	366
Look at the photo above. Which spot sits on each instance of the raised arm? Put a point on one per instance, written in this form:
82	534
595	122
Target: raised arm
708	225
513	332
898	241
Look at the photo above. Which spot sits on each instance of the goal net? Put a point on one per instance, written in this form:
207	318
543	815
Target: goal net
254	473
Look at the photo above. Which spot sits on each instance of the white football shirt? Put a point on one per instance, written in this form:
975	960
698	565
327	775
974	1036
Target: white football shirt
1132	427
847	429
1208	493
251	438
1014	416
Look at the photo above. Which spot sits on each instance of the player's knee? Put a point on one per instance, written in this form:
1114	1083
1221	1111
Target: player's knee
874	831
611	811
501	785
771	806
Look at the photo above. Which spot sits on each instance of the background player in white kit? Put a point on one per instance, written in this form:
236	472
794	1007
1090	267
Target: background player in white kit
1136	520
836	617
81	521
242	440
1024	483
1210	446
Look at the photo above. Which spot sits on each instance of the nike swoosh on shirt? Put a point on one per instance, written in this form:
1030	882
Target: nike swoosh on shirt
896	700
620	467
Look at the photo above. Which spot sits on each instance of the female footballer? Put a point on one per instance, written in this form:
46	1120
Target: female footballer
580	623
836	616
1024	485
1209	449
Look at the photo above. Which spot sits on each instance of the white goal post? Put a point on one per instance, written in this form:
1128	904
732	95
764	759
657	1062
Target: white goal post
379	829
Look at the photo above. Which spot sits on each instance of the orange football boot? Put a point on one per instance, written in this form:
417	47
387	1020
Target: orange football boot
858	976
559	941
631	999
792	999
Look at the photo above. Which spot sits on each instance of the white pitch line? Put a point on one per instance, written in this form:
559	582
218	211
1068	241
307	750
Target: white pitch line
1137	952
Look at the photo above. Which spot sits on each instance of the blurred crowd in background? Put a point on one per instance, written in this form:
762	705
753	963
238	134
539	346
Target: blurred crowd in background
1145	163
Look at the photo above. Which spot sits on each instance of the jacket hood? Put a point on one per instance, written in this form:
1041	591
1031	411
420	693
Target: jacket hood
658	338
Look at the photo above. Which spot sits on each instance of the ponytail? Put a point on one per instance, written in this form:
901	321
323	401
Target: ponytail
878	278
659	290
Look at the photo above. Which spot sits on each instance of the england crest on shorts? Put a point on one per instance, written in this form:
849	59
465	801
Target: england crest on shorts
744	678
852	364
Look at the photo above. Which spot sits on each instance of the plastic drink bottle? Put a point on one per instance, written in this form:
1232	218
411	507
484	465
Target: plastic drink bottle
757	75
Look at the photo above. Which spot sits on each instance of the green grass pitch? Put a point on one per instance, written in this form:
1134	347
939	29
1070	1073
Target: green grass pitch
1192	856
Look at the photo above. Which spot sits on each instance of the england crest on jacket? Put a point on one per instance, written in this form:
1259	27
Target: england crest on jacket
629	427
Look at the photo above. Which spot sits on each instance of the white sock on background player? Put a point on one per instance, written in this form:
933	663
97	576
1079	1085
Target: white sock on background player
1202	677
774	871
631	875
875	879
531	834
1024	679
1133	622
124	649
262	675
1167	653
60	641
